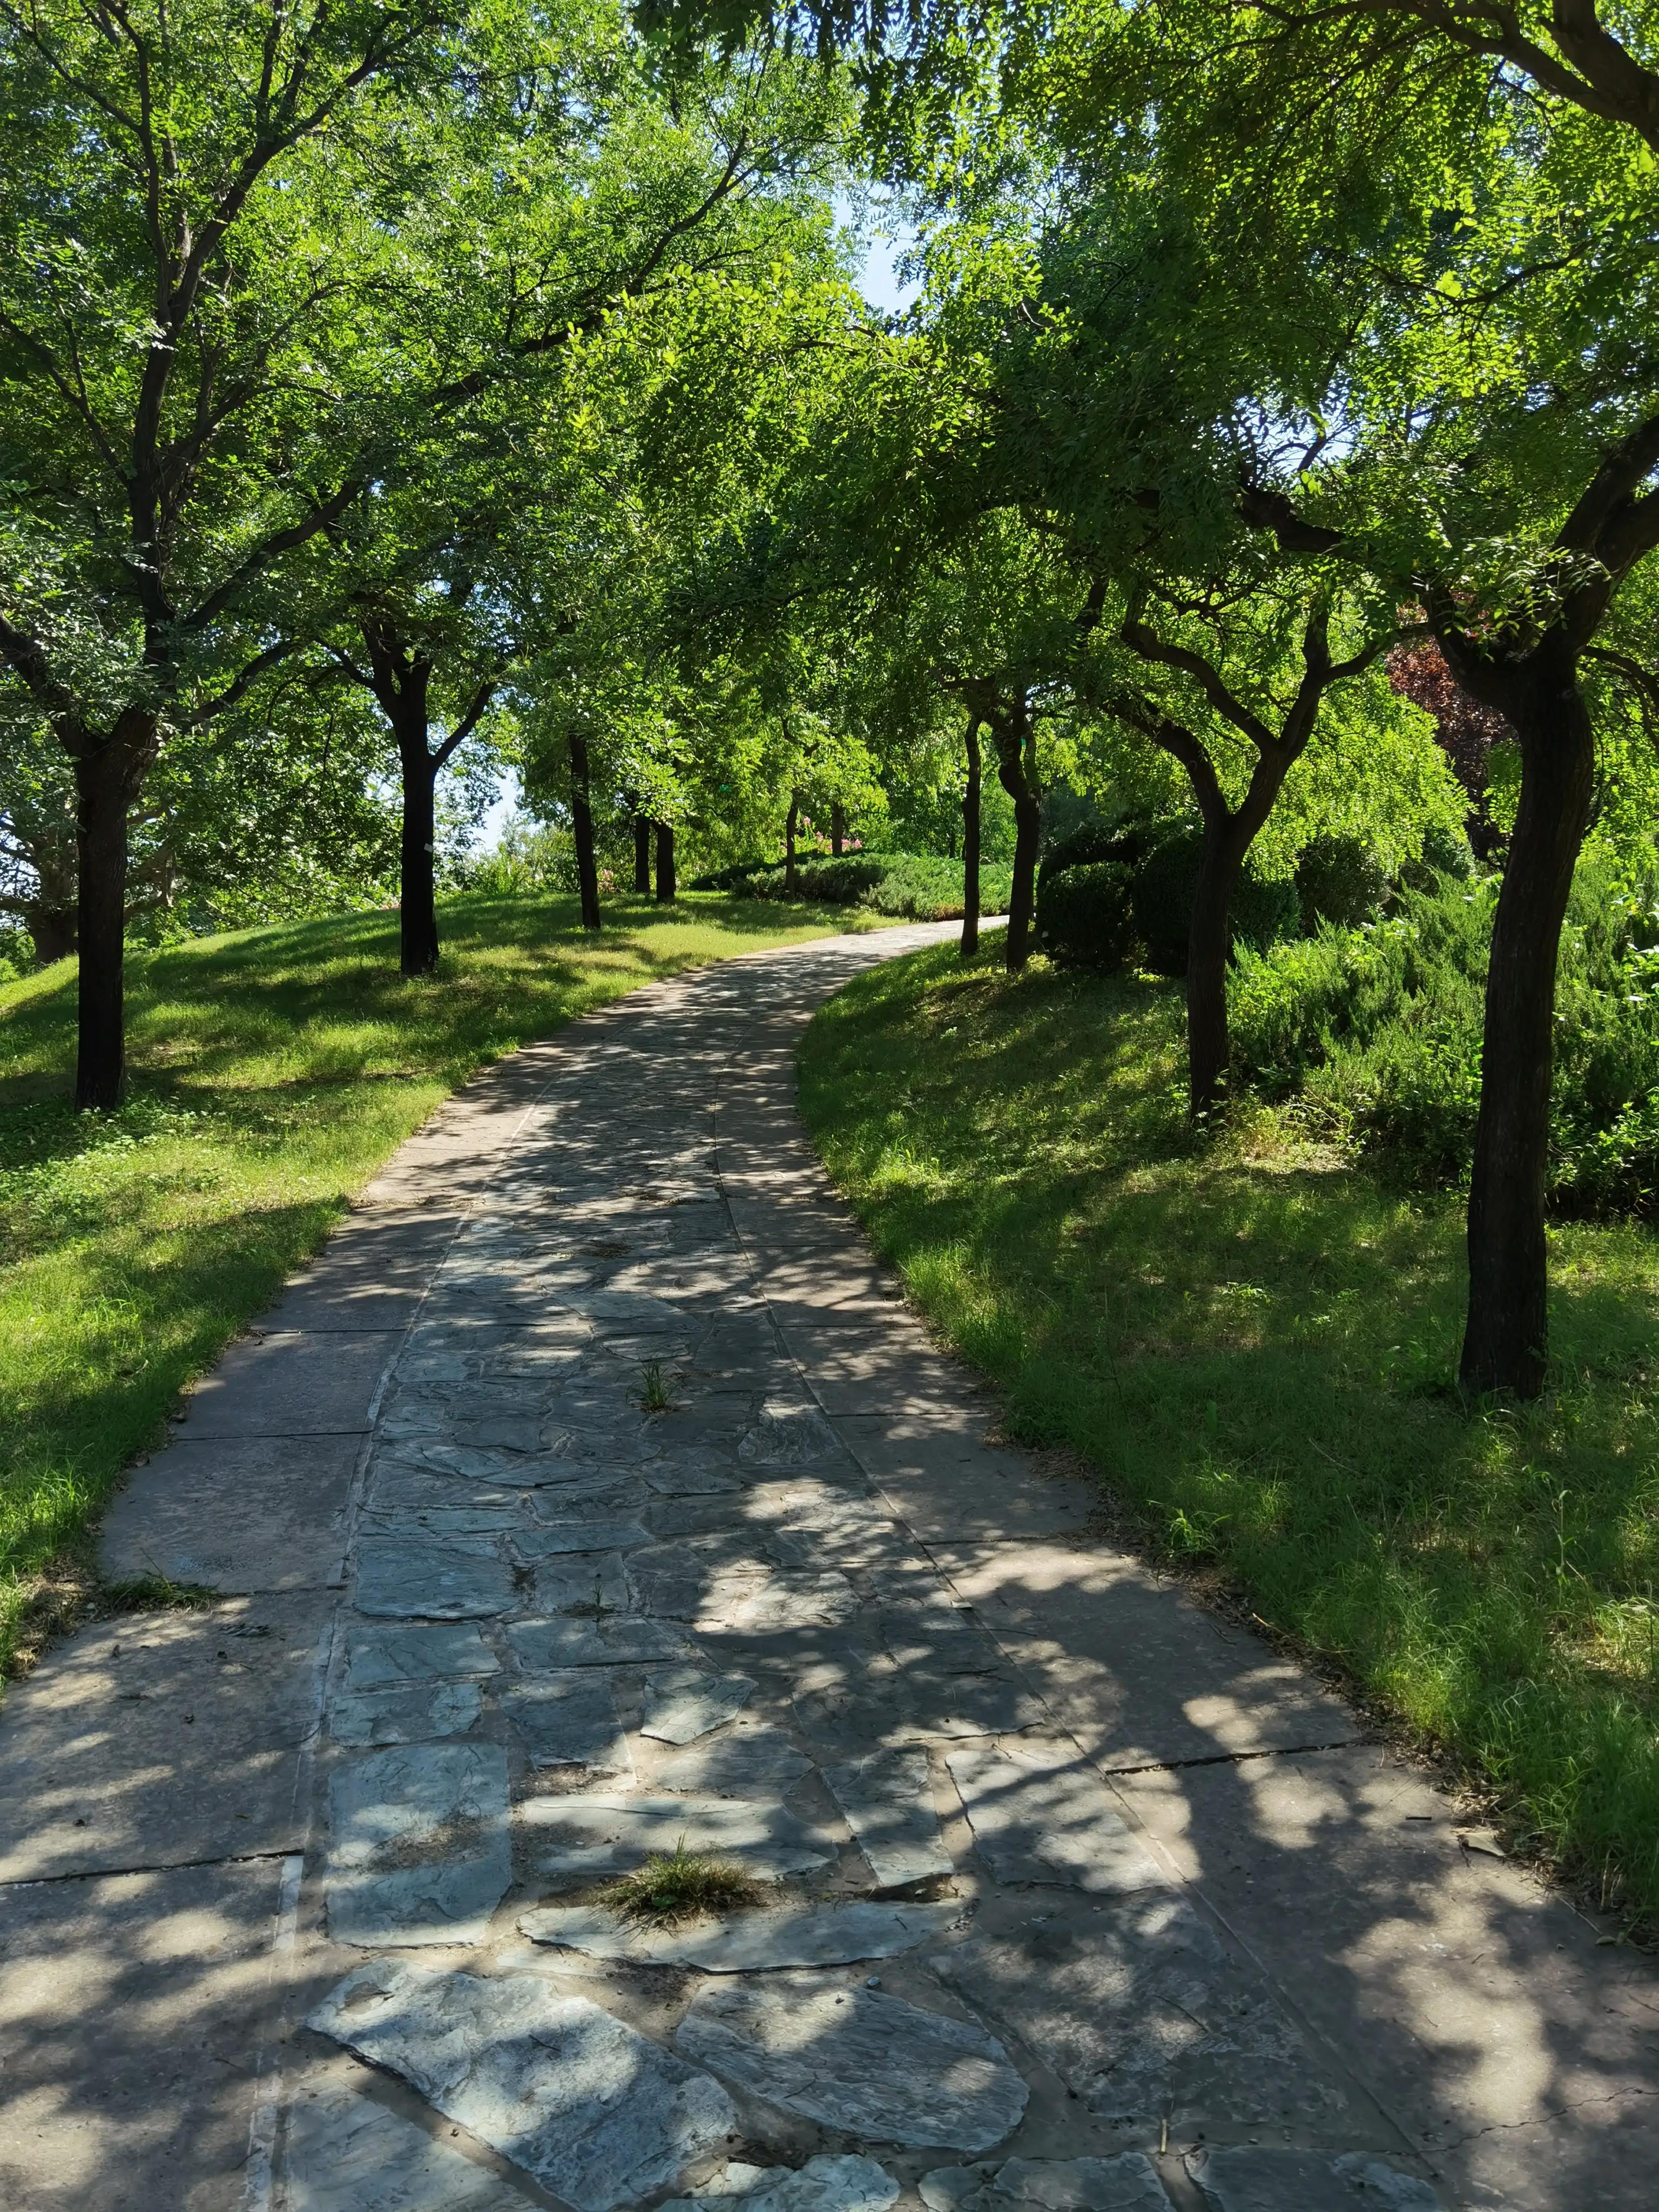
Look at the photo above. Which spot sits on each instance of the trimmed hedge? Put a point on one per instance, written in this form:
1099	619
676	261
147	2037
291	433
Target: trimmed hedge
1085	914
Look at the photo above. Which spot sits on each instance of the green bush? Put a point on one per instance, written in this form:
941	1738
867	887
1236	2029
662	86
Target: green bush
1261	912
919	886
1379	1029
1085	914
1341	880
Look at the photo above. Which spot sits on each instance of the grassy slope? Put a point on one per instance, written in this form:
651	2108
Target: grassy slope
272	1072
1255	1344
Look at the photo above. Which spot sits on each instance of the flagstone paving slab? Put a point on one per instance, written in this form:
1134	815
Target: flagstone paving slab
155	1739
577	1835
597	2112
745	1762
389	1658
797	1935
1127	2183
888	1799
432	1582
419	1852
686	1704
346	2153
570	1720
1238	2178
822	2184
873	2066
411	1716
1040	1813
1150	2020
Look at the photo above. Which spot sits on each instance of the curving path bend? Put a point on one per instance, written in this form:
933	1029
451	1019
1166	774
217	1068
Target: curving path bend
1088	1902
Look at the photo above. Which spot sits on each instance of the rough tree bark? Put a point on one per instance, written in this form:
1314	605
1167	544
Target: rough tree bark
107	777
642	855
791	881
667	884
581	825
1014	734
837	828
1506	1337
970	842
399	678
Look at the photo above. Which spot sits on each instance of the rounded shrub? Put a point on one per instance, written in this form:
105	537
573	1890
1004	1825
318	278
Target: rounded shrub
1165	886
1085	914
1339	880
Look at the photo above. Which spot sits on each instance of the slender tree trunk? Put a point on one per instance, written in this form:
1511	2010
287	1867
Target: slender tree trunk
417	891
1506	1341
581	824
791	882
1015	746
837	828
970	843
642	855
106	779
1209	945
667	886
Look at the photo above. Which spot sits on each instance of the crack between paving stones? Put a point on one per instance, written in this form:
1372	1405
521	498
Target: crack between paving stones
1230	1758
158	1866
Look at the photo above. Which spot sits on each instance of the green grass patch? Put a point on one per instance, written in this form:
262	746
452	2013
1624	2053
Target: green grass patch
1255	1341
272	1072
682	1885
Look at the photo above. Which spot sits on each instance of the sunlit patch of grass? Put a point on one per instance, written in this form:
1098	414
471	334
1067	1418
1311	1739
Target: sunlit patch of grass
272	1072
681	1885
1255	1343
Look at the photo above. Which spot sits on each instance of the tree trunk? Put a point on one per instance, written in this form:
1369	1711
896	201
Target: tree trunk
791	881
642	855
666	885
52	929
837	828
1506	1341
417	893
971	844
1209	945
581	824
103	792
1015	745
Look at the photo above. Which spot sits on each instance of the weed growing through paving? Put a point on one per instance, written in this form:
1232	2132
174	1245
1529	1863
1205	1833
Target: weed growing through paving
272	1072
655	1396
681	1885
1255	1342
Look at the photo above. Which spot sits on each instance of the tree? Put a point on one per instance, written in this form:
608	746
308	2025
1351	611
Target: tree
175	360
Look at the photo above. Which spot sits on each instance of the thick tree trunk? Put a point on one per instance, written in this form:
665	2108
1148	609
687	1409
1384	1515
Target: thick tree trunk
1506	1341
106	780
837	829
642	855
53	928
1015	767
970	843
417	889
791	881
1209	945
581	825
666	884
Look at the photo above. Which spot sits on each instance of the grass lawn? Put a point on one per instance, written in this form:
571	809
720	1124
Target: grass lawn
272	1072
1254	1342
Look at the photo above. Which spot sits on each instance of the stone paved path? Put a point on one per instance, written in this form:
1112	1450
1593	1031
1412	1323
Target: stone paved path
1083	1902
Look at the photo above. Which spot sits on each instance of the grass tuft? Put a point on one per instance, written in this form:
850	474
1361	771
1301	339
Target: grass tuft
1255	1342
680	1886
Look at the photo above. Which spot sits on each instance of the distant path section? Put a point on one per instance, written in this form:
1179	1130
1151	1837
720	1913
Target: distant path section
596	1493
